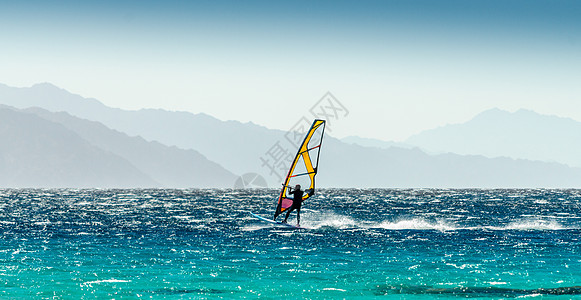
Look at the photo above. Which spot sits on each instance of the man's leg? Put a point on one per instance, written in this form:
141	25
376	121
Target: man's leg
298	216
288	213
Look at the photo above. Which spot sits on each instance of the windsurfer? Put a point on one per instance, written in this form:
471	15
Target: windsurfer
297	201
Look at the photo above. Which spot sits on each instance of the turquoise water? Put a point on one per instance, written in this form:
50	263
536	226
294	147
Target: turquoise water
361	244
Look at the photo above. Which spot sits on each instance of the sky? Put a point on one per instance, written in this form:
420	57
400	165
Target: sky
397	67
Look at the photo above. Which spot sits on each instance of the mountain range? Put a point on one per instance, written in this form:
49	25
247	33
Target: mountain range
179	149
47	149
38	153
522	134
219	141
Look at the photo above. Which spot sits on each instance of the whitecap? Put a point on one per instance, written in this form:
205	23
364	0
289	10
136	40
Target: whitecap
334	289
416	224
90	283
534	224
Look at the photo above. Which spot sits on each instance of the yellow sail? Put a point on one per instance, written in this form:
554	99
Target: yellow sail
304	167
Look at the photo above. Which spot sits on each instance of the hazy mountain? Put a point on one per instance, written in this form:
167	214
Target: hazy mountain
368	142
35	152
232	144
170	166
356	166
522	134
51	98
240	147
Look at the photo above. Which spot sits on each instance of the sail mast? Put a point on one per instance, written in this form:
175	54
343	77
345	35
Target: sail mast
302	170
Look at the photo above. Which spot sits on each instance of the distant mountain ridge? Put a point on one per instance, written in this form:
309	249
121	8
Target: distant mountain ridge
240	146
182	129
369	142
523	134
170	166
413	168
36	153
47	158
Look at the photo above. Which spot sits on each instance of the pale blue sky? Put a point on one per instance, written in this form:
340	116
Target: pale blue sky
398	66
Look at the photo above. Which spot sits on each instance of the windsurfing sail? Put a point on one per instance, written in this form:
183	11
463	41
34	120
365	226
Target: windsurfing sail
303	168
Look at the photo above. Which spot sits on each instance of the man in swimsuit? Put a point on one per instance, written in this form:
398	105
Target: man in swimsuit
297	200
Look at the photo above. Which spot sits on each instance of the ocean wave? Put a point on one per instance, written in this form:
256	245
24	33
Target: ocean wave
330	219
90	283
416	224
535	224
476	292
318	220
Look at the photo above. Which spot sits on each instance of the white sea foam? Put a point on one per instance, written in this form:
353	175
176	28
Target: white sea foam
254	227
90	283
326	219
535	224
416	224
334	289
42	223
530	296
318	220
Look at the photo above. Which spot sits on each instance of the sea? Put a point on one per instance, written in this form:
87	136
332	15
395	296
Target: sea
353	244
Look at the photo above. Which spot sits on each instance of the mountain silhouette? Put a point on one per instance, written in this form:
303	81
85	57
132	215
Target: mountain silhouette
170	166
36	153
493	133
234	145
242	147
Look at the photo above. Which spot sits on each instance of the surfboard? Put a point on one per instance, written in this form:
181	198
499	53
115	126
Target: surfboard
261	218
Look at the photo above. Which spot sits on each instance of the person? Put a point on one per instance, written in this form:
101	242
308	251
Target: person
297	201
